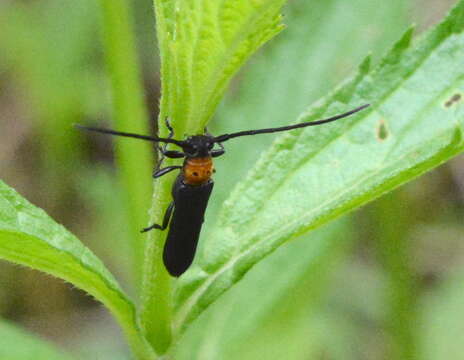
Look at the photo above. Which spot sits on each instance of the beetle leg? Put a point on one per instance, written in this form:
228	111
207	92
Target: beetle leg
164	149
161	158
172	154
160	172
217	153
166	218
168	125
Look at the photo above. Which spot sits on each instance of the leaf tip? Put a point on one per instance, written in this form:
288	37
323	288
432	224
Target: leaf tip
365	65
405	41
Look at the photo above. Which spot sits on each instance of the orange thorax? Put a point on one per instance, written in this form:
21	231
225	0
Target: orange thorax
197	171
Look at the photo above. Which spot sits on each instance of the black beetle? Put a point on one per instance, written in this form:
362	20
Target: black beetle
192	187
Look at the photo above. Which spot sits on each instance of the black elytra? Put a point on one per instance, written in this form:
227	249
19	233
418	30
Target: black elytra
193	186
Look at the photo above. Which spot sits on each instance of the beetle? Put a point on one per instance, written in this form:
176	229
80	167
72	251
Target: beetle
193	186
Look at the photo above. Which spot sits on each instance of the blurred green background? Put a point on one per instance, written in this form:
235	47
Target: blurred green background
382	283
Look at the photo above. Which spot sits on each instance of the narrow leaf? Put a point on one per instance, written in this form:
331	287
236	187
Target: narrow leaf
28	236
203	43
311	176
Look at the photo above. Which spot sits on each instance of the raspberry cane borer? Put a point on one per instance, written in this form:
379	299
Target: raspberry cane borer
192	187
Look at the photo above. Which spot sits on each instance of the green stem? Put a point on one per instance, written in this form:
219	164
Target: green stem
134	159
130	115
392	221
138	344
156	296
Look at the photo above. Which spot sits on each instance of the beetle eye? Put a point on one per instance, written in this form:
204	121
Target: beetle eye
190	149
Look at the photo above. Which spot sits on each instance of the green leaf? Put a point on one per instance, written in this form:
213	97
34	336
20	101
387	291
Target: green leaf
203	43
16	344
28	236
311	176
298	67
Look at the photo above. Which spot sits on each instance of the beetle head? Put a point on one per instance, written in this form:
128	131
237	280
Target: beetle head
198	145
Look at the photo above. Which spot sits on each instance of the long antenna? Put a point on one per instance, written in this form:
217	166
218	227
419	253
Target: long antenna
225	137
131	135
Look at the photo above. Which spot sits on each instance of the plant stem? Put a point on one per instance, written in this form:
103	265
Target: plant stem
140	347
392	219
156	297
130	114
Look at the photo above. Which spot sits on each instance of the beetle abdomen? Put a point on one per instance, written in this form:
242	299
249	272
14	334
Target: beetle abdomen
189	208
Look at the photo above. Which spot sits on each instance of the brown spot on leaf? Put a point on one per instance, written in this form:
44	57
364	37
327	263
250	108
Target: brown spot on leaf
382	131
453	100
